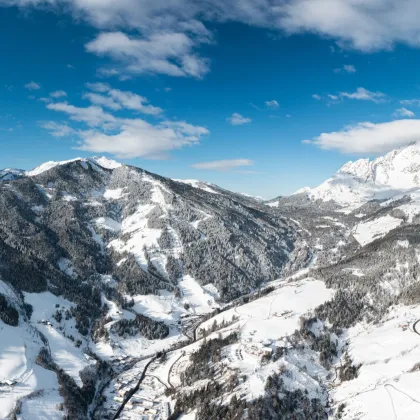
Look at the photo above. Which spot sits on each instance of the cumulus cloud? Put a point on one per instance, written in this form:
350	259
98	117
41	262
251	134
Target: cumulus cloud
404	113
364	25
415	102
101	131
116	99
33	86
238	119
368	138
347	68
134	102
98	87
138	138
273	104
57	129
316	97
165	35
363	94
224	165
333	97
164	53
92	115
101	100
58	94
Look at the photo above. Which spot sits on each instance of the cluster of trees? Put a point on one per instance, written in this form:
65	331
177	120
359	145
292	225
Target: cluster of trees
348	371
215	326
344	309
204	359
277	403
151	329
324	343
8	314
76	399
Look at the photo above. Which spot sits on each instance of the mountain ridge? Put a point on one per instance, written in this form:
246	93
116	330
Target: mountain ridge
364	180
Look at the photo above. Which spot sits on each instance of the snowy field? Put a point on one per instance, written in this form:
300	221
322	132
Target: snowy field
367	232
63	350
263	324
387	387
22	379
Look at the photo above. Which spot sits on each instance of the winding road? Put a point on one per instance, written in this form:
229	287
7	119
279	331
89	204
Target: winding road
191	340
127	398
414	327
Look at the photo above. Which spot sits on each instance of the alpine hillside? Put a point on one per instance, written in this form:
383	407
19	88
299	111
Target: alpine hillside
124	294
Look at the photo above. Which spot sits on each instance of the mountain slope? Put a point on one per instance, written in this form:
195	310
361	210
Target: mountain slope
121	256
123	291
359	182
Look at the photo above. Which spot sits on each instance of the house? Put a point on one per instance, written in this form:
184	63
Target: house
267	351
10	382
166	410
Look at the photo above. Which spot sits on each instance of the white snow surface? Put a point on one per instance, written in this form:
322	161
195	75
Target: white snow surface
205	186
367	232
101	161
358	182
386	388
19	348
63	350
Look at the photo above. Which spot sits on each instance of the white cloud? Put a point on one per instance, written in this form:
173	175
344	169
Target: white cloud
238	119
58	94
92	115
138	138
415	102
333	97
273	104
105	101
122	137
98	87
169	53
134	102
46	100
172	31
57	129
167	89
404	113
368	138
316	96
33	86
366	25
118	99
223	165
363	94
347	68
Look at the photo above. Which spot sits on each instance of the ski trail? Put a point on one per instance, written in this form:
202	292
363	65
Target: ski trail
392	402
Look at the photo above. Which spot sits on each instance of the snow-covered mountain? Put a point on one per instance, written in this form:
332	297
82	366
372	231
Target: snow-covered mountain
124	294
8	174
357	182
103	259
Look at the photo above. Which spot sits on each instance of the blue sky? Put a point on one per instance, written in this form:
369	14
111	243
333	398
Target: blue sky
246	98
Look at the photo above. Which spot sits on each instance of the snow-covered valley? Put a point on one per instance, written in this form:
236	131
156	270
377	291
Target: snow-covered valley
124	294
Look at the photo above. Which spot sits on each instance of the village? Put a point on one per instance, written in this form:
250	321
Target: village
148	403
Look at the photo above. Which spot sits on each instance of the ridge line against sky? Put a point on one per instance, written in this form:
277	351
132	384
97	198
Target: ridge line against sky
258	96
